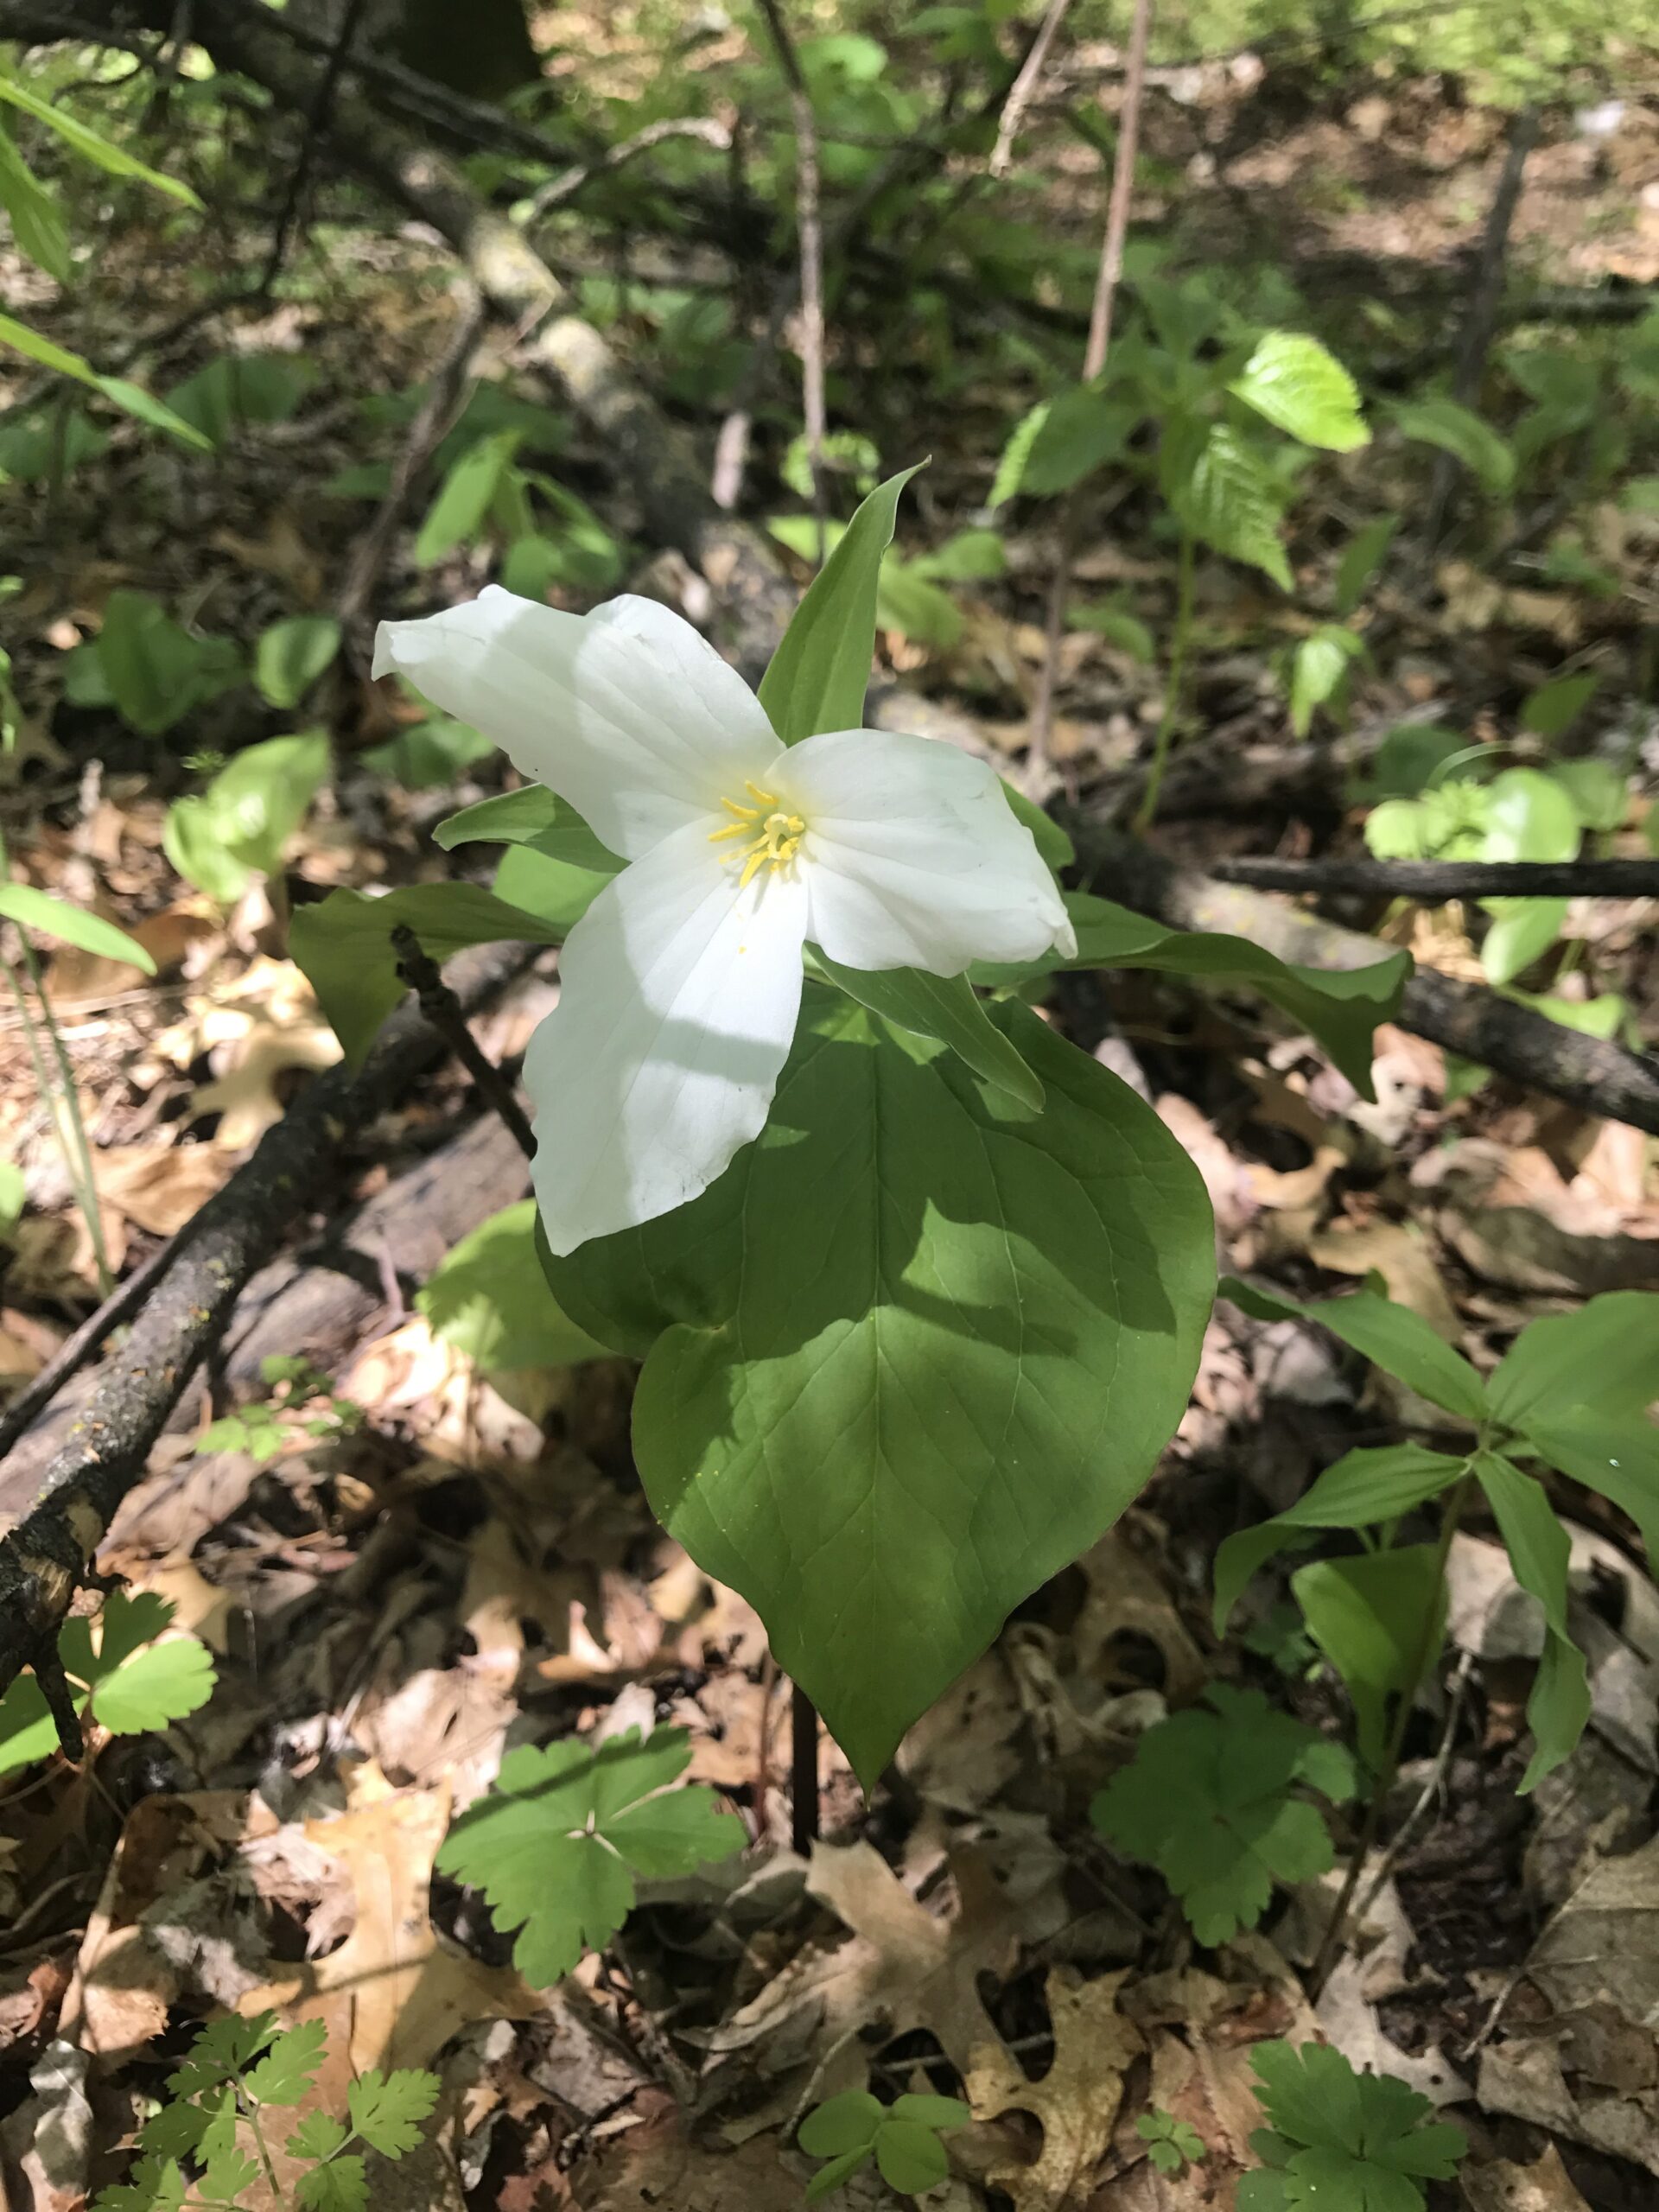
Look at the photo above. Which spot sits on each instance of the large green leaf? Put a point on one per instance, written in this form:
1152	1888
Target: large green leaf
821	671
944	1007
489	1298
1389	1335
37	224
88	143
344	946
911	1354
1378	1618
50	915
1362	1490
1538	1548
1619	1457
129	396
1233	501
1606	1355
1297	384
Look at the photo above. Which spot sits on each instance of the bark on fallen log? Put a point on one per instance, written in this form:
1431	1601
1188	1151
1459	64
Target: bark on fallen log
1469	1019
1431	881
45	1559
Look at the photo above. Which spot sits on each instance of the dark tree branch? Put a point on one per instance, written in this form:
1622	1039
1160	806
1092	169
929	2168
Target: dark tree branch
317	119
1468	1018
47	1557
1430	882
447	1016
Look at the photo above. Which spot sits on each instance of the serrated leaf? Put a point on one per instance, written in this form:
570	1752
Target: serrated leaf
1234	502
556	1843
220	838
387	2109
224	2048
318	2135
1300	387
161	1684
177	2130
226	2179
1207	1799
289	2067
1342	2141
340	2186
154	2185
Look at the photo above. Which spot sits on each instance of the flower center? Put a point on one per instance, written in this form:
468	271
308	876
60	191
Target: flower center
774	836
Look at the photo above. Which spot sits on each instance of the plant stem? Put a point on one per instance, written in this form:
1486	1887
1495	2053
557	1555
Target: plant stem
251	2105
804	1771
71	1129
1179	650
1428	1651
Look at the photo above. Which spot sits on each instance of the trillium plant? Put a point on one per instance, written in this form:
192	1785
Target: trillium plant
917	1286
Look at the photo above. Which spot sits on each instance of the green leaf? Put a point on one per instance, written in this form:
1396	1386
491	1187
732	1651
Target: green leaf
289	2067
910	2156
37	224
458	513
427	756
1011	468
1301	388
125	1624
225	2047
387	2109
1447	423
556	1845
1529	817
157	672
821	671
1552	709
1522	931
161	1684
48	915
1340	1008
1233	502
155	2185
1365	556
14	1196
27	1731
845	2123
489	1298
969	557
318	2135
944	1007
1343	2142
340	2186
131	397
292	655
1599	791
1620	1458
88	143
1606	1355
839	2170
965	1334
943	2113
1374	1617
177	2131
1207	1801
1080	429
511	818
557	893
1321	662
1362	1490
1538	1548
1389	1335
1119	627
238	827
343	946
238	388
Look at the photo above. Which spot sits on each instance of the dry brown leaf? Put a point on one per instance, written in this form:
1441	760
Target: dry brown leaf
396	1991
1405	1259
1076	2101
158	1187
75	975
659	2165
1544	2186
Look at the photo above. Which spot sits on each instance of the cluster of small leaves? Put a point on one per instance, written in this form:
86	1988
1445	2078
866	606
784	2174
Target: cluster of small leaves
268	1426
1209	1799
903	2138
1340	2141
1171	2143
207	2145
129	1683
557	1844
1571	1393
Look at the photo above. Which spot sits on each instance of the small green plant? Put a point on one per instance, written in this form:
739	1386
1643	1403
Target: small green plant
1338	2139
209	2142
221	838
1571	1394
1210	1800
268	1426
1171	2143
903	2138
128	1681
557	1845
546	534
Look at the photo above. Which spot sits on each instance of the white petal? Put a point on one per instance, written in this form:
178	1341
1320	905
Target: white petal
626	712
915	859
678	997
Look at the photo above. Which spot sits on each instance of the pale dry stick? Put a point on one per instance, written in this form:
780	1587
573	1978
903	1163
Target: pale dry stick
1024	87
568	183
809	226
1094	360
1406	1829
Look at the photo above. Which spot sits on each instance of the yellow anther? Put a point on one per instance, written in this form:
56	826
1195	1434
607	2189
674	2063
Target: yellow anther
766	798
731	829
773	842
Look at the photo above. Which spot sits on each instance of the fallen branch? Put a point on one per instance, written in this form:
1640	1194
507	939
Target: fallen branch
1468	1018
47	1557
1430	882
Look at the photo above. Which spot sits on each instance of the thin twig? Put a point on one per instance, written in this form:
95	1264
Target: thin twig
1431	881
1422	1659
1024	86
808	226
558	189
315	123
1094	361
804	1771
1408	1827
443	1010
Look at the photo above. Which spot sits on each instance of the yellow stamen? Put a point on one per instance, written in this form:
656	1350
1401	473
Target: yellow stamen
772	843
766	798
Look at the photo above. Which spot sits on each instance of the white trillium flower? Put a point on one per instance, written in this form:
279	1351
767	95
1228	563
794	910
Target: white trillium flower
681	985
